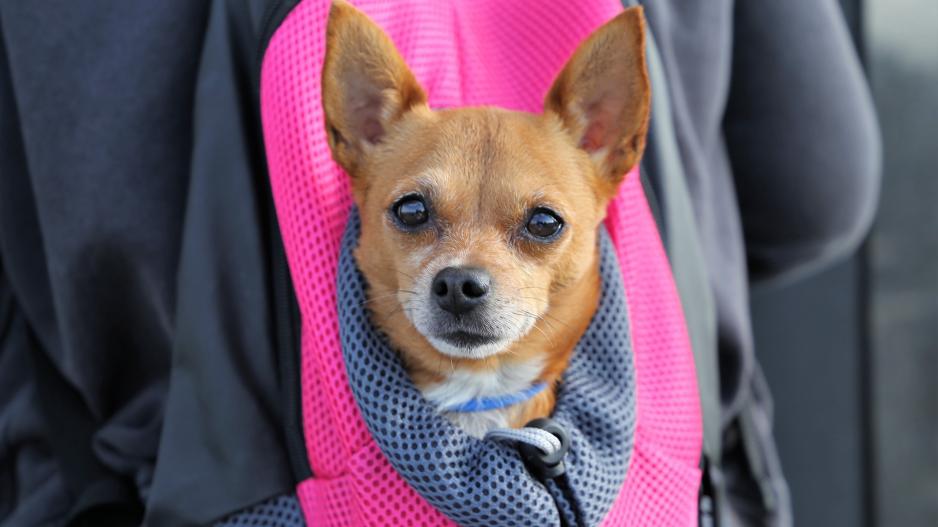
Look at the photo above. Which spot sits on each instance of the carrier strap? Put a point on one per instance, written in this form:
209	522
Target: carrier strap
676	225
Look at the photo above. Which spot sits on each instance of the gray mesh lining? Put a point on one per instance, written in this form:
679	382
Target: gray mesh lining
484	483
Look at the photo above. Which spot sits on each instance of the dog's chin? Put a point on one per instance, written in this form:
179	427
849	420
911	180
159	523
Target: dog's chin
466	345
475	336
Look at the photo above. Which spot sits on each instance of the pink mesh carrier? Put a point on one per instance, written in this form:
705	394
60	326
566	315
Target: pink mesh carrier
478	52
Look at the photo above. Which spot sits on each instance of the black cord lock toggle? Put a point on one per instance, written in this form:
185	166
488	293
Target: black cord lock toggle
545	466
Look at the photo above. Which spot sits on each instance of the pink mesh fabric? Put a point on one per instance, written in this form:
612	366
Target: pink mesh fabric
662	481
496	52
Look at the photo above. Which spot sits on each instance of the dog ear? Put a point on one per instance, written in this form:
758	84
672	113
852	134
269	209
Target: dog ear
366	86
603	95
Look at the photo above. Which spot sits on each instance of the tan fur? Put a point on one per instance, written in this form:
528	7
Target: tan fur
484	169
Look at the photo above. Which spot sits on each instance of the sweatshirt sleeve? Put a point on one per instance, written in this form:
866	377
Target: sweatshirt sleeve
223	447
801	135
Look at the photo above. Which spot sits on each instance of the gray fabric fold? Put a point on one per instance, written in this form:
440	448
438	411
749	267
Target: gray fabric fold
595	404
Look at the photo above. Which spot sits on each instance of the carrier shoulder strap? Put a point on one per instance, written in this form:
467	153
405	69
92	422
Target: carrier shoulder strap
666	185
675	213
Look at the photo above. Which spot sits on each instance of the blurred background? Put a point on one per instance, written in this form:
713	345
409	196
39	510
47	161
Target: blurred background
851	354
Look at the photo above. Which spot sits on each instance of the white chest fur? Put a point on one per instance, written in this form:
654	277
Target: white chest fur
463	385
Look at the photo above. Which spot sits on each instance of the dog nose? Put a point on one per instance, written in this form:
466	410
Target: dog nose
460	289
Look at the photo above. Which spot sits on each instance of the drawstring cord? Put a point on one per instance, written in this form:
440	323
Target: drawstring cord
539	438
543	443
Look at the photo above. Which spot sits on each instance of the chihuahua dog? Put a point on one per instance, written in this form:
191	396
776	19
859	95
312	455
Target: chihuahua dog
479	225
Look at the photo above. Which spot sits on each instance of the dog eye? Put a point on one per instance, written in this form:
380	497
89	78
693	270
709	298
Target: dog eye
411	211
544	224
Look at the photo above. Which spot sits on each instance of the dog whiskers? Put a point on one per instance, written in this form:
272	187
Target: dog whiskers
402	309
388	295
530	287
536	319
555	319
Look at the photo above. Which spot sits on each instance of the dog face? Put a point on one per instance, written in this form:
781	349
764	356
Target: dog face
475	221
472	218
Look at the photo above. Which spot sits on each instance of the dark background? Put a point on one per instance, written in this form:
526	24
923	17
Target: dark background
851	354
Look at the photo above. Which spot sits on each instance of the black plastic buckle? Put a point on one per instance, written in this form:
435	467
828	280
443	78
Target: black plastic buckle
546	466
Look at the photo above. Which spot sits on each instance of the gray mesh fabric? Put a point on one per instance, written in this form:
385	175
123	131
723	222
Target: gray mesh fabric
279	511
484	483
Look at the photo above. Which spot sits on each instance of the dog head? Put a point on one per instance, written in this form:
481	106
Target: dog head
476	222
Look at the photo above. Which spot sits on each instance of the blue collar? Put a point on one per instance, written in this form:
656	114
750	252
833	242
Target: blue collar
483	404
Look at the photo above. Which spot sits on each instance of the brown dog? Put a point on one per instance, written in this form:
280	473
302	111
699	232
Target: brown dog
479	225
